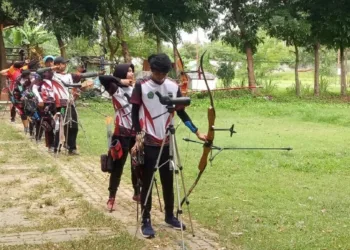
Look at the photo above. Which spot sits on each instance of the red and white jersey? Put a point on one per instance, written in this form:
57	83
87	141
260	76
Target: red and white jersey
122	109
151	107
48	91
59	79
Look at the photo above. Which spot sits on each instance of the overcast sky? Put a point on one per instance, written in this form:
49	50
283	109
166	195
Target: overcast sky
186	37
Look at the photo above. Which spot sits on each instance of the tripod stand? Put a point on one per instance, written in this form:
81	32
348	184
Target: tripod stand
175	166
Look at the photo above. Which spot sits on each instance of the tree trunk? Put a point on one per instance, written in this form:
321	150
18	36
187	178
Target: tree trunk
250	67
61	45
317	70
175	54
297	81
125	52
2	58
343	72
159	44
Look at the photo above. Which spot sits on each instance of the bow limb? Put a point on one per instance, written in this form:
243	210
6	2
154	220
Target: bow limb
183	77
207	146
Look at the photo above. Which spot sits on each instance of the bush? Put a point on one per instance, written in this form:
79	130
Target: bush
324	84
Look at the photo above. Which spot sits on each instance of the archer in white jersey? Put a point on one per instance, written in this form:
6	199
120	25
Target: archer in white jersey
146	105
123	131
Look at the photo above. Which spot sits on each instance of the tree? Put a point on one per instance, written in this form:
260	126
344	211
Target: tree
287	23
239	25
116	16
226	73
66	19
12	12
171	17
330	22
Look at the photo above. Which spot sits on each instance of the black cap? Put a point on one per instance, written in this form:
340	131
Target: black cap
59	60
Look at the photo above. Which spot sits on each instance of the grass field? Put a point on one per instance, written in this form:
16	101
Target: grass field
285	82
264	199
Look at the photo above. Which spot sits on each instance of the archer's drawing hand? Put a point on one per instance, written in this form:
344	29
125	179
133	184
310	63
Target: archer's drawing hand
201	136
126	82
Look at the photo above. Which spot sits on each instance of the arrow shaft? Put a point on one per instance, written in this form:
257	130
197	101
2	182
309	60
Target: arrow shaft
288	149
234	148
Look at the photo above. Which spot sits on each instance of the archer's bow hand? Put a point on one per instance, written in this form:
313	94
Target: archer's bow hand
201	136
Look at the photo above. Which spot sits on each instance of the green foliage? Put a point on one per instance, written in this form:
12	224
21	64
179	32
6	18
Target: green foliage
288	24
67	18
269	86
188	50
13	12
305	89
324	84
172	16
328	59
31	34
226	73
329	21
239	23
271	53
81	46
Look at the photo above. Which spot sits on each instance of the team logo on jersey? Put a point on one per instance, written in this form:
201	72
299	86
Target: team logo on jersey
150	95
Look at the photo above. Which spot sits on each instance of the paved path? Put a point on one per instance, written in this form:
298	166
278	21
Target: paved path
59	235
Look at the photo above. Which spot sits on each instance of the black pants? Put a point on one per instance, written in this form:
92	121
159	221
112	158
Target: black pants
70	129
166	178
46	124
13	112
114	179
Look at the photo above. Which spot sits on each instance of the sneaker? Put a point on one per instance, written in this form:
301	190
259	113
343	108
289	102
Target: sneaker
137	198
175	223
73	152
52	150
146	229
110	204
13	120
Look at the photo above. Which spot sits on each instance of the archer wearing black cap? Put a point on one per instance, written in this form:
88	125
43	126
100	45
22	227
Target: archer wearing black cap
67	101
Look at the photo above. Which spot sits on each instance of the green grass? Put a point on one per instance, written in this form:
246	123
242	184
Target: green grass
8	133
285	81
277	200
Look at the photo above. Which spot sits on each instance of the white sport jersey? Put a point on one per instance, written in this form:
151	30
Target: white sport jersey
122	107
67	79
151	108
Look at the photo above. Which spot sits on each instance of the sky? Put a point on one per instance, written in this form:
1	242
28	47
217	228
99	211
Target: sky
186	37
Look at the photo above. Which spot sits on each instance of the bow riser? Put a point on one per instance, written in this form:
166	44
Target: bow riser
207	146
